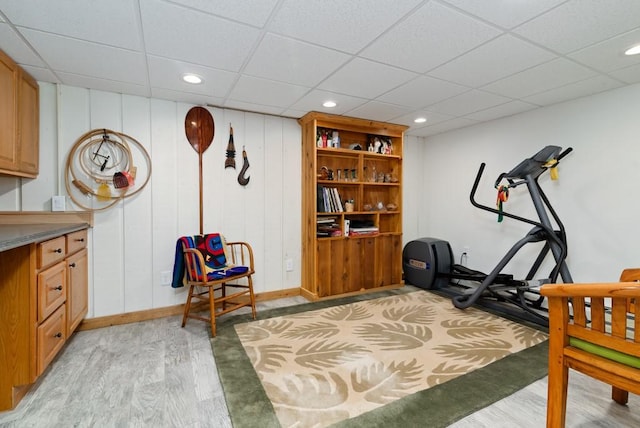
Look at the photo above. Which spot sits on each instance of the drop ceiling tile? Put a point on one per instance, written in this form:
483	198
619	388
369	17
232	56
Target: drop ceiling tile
186	97
195	37
609	55
492	61
80	19
503	110
167	74
103	84
432	118
422	91
347	26
314	99
575	90
266	92
365	79
580	23
16	48
541	78
628	74
505	13
431	36
273	60
252	12
41	74
77	57
468	102
375	110
253	107
441	127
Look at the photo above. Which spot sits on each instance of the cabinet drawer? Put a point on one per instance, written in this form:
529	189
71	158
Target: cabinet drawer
52	290
76	241
51	338
50	252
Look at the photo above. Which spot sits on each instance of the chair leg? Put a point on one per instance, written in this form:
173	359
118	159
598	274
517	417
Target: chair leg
557	394
620	396
252	297
187	306
212	310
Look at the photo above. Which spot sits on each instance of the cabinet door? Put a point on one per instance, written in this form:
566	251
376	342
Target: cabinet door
8	105
77	290
51	338
28	125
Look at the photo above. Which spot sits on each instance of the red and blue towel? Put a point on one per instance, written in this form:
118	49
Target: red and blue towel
212	248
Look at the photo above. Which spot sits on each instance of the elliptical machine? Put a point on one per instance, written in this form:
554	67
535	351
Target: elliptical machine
428	263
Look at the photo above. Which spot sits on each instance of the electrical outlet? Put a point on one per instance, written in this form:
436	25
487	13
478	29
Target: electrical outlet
289	263
165	277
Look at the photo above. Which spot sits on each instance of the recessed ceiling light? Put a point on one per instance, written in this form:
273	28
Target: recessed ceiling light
635	50
192	78
420	120
329	104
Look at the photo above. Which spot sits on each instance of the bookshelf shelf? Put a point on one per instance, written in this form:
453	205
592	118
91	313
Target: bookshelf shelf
353	169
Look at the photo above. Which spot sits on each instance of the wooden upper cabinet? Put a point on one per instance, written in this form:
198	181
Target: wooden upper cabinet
28	124
19	120
8	107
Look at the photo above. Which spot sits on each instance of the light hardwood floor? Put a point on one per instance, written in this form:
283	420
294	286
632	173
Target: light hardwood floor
156	374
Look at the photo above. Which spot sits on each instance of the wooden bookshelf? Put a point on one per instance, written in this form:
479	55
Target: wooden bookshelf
367	256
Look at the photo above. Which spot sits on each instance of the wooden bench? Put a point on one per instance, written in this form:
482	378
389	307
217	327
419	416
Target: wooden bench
592	329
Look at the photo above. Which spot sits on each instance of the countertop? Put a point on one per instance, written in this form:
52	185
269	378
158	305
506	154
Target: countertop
16	235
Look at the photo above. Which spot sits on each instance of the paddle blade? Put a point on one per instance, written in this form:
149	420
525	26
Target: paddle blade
199	128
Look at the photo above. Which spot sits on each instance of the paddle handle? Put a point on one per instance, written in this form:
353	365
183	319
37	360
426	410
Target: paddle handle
201	204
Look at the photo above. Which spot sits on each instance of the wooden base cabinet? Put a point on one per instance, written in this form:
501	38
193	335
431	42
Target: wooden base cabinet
351	205
43	298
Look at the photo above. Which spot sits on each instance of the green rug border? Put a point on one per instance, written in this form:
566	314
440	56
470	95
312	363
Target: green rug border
438	406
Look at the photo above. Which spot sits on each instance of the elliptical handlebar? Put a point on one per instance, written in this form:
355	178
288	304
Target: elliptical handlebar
564	153
512	183
472	198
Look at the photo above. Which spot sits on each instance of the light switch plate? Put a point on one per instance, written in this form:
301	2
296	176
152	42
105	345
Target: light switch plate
58	203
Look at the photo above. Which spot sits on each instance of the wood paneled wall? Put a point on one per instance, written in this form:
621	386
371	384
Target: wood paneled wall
132	243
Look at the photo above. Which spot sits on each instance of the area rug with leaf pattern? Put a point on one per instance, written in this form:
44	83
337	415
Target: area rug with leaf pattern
403	358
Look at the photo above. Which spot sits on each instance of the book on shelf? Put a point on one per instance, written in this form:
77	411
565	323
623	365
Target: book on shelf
328	200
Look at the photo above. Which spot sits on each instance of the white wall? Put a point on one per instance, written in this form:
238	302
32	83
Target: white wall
132	243
597	195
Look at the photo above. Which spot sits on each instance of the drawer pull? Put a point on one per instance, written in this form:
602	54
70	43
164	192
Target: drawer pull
58	250
57	335
72	265
59	288
80	240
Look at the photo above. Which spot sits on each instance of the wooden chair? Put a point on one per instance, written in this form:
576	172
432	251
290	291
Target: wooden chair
212	288
587	336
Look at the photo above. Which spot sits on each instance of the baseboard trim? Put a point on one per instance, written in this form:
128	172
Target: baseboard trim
167	311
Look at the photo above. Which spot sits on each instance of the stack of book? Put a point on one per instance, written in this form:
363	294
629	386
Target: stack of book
362	228
327	227
329	200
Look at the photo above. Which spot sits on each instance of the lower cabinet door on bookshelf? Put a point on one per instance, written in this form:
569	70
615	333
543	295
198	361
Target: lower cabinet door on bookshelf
347	265
389	259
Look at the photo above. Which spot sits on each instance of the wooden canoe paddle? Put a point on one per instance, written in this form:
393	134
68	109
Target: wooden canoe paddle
199	127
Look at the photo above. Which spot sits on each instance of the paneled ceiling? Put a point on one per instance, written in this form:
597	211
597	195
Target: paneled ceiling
453	62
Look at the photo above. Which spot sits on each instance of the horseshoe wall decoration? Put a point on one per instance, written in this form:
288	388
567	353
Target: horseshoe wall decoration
245	165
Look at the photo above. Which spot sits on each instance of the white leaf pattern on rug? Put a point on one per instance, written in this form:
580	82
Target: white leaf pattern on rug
323	366
323	354
383	384
400	337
